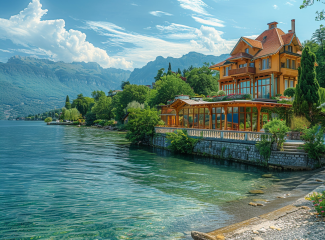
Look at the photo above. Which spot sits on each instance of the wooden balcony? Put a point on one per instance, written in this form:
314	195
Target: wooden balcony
243	70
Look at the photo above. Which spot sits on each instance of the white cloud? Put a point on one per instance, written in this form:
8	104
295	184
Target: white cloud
240	27
206	40
289	3
252	36
134	4
275	6
209	21
3	50
159	13
194	5
49	37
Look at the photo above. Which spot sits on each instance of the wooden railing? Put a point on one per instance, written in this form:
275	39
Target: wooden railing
241	70
217	134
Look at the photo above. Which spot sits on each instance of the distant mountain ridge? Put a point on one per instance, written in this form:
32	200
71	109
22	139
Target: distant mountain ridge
30	85
146	74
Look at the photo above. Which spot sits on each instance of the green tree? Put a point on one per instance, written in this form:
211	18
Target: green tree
90	118
307	90
169	72
67	99
74	114
124	83
48	119
319	36
97	95
102	108
141	124
289	92
168	87
134	104
179	71
67	114
159	74
203	80
81	103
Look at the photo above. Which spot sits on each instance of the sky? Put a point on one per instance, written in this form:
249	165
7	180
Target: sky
128	34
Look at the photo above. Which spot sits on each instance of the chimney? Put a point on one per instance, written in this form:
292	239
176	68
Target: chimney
273	25
293	25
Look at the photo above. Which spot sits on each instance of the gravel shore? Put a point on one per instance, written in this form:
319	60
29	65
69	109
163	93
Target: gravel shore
296	221
300	223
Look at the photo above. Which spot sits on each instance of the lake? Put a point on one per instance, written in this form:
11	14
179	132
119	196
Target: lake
59	182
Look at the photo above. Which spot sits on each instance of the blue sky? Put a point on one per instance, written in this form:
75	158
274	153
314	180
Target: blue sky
129	33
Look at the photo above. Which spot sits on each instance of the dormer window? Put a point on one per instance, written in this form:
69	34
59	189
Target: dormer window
264	38
246	50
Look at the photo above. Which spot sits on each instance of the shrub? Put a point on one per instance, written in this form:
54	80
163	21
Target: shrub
221	93
181	142
318	200
264	148
314	142
141	124
289	92
76	123
278	129
48	119
299	123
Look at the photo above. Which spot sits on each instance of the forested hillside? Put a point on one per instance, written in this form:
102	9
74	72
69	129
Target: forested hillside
30	85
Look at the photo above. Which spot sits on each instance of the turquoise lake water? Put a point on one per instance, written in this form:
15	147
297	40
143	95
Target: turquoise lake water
63	182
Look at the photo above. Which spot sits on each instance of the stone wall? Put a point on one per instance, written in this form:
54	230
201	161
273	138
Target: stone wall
244	152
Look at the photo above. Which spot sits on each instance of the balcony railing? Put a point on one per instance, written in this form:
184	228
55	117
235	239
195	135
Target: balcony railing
242	71
217	134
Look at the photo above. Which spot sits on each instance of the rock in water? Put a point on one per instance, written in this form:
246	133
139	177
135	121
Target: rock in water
256	191
267	175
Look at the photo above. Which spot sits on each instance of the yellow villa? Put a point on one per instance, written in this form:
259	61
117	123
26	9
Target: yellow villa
262	67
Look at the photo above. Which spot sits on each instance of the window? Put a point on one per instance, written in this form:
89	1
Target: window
289	48
293	64
265	63
285	84
246	50
283	65
242	65
228	88
244	87
226	73
263	87
251	64
288	63
291	84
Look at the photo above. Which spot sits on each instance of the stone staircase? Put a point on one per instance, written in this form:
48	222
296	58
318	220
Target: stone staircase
293	147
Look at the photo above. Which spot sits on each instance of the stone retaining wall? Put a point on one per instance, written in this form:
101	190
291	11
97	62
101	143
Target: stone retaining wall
244	152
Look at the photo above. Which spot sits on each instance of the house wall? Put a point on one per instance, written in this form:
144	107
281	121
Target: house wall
244	152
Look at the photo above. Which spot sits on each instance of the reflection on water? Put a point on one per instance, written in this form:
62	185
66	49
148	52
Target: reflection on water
82	183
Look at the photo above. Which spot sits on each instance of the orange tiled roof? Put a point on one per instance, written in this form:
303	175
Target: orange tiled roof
269	42
254	43
240	55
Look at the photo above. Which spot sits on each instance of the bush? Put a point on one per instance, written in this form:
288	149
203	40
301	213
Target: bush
221	93
289	92
264	148
299	123
181	142
318	202
278	129
314	142
48	119
76	123
141	124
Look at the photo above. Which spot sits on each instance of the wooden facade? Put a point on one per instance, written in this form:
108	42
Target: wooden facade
238	115
262	67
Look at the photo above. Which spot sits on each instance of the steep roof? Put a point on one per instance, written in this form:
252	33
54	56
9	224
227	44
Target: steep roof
269	43
253	43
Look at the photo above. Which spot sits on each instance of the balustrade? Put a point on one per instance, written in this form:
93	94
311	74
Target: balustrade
217	134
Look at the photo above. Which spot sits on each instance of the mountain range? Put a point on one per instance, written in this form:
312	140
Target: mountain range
30	85
146	74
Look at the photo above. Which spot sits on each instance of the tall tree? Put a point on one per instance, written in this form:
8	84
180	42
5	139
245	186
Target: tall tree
124	83
179	71
97	95
67	99
67	103
168	87
319	36
102	108
81	104
159	74
307	88
169	72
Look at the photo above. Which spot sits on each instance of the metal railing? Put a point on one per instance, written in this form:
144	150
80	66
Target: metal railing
217	134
